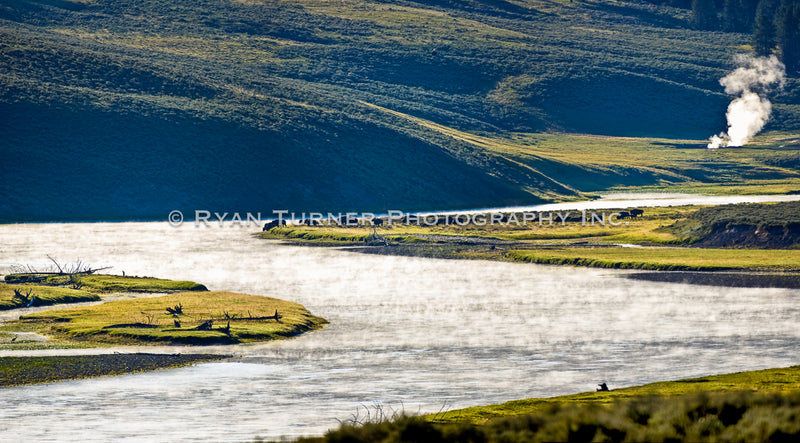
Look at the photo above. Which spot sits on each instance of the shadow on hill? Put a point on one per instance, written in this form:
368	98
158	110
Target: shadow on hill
641	14
625	104
132	166
494	8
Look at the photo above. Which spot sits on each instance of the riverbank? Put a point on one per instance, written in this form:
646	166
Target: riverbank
656	239
746	406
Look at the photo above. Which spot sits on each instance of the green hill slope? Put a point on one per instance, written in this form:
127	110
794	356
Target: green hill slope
129	109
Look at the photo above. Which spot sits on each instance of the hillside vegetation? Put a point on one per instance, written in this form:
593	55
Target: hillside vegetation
774	226
127	110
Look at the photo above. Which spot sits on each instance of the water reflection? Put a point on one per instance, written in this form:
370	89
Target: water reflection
404	331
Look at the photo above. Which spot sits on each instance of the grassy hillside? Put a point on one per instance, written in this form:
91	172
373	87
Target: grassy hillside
129	109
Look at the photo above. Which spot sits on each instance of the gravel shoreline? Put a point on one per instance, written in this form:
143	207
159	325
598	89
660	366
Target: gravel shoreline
17	371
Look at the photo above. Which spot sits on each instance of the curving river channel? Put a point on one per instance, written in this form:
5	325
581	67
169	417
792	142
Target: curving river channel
406	333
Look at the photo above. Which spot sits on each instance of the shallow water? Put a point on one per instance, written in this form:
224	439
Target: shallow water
408	333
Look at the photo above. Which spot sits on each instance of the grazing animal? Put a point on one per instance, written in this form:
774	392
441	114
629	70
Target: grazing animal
636	212
624	214
602	387
274	224
347	220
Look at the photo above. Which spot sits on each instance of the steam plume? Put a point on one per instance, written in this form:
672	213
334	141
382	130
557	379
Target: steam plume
750	110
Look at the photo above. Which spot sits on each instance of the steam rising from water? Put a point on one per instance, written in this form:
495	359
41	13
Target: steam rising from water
750	110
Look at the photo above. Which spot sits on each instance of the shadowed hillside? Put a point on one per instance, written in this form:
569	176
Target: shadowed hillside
129	109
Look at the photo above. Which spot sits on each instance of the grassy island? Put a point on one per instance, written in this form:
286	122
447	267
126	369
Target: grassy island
172	313
199	318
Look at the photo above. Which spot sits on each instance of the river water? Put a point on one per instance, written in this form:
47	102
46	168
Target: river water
406	334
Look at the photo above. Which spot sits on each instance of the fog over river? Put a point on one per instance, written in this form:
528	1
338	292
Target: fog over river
406	333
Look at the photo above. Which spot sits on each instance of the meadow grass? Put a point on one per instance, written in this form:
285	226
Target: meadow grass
146	320
777	380
43	295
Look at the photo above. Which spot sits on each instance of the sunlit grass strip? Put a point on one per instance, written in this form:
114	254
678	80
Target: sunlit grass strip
661	258
116	283
778	380
746	187
343	236
109	283
43	295
146	320
16	371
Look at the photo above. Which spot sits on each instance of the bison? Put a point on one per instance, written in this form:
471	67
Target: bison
274	224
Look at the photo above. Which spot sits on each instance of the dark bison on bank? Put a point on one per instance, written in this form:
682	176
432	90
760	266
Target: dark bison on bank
274	224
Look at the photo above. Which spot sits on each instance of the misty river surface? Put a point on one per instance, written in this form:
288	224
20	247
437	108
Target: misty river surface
407	333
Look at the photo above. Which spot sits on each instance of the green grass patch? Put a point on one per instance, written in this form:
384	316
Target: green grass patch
663	258
235	318
41	295
108	283
16	371
778	380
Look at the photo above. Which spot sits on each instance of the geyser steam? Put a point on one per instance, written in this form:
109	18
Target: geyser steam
750	110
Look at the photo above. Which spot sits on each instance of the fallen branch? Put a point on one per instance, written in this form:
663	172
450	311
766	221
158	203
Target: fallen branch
277	317
27	299
205	326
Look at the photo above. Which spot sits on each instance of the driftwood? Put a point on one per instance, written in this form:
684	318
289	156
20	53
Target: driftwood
28	299
87	271
277	317
205	326
28	273
177	310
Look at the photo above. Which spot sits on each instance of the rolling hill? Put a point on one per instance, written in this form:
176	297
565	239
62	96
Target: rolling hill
124	109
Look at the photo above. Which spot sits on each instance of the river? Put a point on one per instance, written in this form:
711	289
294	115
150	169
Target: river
406	334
